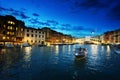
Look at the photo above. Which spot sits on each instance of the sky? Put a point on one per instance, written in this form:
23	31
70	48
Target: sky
74	17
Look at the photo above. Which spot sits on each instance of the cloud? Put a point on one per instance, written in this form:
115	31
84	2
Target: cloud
23	9
14	12
36	21
93	5
114	12
3	9
52	22
23	16
35	14
88	4
111	8
61	1
78	31
74	30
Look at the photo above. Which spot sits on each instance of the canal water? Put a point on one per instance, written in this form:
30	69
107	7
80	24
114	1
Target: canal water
59	63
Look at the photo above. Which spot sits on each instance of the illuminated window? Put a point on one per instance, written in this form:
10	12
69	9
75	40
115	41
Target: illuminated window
11	27
12	33
4	26
21	29
7	37
16	28
3	37
8	27
8	21
8	32
11	22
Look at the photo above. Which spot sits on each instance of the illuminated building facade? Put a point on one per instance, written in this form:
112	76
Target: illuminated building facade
112	37
11	30
34	36
54	37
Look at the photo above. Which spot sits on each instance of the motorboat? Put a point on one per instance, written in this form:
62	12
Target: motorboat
80	52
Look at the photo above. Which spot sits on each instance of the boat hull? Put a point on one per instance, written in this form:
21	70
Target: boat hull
77	55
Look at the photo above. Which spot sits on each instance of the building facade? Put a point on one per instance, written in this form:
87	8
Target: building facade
112	37
11	30
34	36
54	37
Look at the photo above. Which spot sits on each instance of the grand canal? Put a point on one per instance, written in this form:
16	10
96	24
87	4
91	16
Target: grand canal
59	63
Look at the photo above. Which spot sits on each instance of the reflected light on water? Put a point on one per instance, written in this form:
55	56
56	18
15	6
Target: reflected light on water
3	51
27	56
102	48
108	51
69	49
56	49
94	49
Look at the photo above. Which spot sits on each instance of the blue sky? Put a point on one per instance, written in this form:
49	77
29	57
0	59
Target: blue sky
75	17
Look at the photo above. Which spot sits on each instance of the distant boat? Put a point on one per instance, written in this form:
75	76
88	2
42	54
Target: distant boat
42	45
80	52
26	45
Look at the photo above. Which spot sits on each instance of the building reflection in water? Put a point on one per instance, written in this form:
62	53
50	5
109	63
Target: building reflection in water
27	56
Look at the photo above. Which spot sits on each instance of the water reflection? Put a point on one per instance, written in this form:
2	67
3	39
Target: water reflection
27	56
94	50
58	62
102	48
69	48
108	50
57	49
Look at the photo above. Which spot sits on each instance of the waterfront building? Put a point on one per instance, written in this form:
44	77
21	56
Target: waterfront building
102	39
34	36
112	37
116	36
54	37
11	30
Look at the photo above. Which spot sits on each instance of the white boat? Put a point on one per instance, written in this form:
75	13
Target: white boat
80	52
